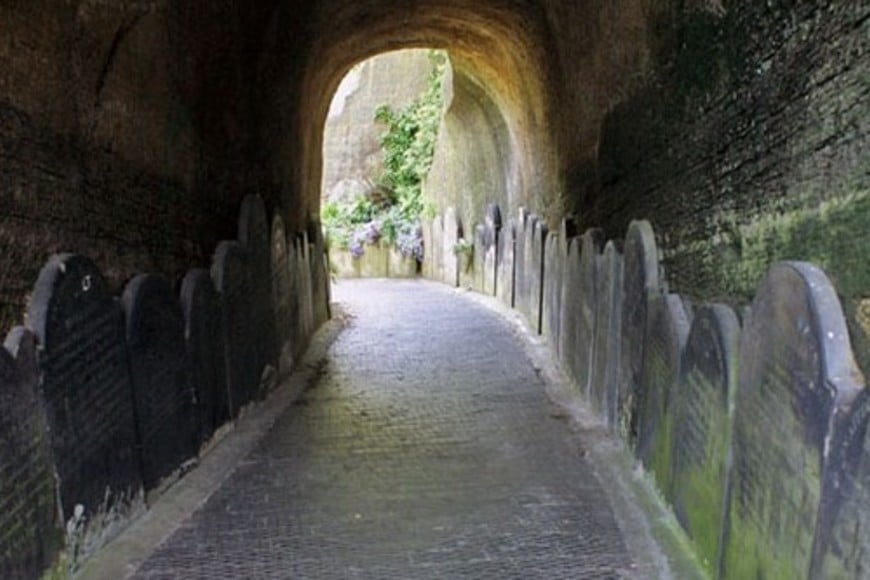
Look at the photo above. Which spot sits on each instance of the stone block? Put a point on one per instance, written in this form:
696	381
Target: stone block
667	330
640	279
206	350
797	389
32	535
160	376
702	416
87	393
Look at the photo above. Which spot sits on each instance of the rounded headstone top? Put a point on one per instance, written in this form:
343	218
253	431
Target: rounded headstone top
640	246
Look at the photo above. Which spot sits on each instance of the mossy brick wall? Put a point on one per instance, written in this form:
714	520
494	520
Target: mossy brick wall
750	146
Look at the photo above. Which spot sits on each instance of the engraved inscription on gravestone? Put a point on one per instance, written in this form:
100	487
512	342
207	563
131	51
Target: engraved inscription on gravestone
160	373
86	387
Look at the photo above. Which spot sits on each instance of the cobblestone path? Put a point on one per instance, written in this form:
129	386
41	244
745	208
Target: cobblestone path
428	449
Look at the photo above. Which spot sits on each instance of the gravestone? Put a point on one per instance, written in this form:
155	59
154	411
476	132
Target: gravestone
452	234
160	375
570	305
521	280
31	536
296	339
436	252
306	304
204	337
492	227
428	246
667	330
504	288
535	269
798	384
87	393
583	351
553	262
605	374
703	412
232	278
281	296
319	275
255	237
640	277
480	250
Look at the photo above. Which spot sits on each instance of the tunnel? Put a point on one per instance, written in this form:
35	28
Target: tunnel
671	194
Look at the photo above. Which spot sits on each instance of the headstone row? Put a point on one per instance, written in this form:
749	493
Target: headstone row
106	398
757	436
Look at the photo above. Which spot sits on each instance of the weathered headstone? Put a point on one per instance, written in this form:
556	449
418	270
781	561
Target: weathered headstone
667	330
703	411
480	250
204	338
319	275
521	281
296	339
452	235
87	393
306	304
435	253
583	351
535	270
640	278
492	228
798	384
428	246
281	287
553	263
160	375
504	288
30	533
570	305
233	281
605	375
255	237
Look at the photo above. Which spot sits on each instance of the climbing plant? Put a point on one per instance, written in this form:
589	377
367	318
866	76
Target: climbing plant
390	212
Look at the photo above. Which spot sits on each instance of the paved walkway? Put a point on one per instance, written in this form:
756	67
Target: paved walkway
426	449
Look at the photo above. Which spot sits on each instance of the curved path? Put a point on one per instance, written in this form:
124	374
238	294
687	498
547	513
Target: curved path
426	449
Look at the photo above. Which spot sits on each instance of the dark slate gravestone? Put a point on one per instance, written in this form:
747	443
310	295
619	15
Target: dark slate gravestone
31	535
233	281
535	270
87	393
255	237
569	318
160	373
436	251
553	262
798	383
640	278
204	337
605	374
319	275
280	282
504	286
583	351
703	410
492	227
479	258
842	540
452	234
667	330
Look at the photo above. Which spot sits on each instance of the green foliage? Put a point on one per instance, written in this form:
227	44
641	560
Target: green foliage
391	211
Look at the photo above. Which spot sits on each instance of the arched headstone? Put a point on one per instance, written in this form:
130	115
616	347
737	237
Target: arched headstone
452	234
204	336
87	392
255	237
521	279
667	330
31	537
319	275
504	287
798	383
492	227
535	270
569	319
583	351
554	261
160	373
303	273
605	374
281	287
233	281
640	278
703	412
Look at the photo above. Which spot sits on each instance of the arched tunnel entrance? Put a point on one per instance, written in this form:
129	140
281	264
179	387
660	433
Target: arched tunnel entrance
648	183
